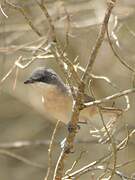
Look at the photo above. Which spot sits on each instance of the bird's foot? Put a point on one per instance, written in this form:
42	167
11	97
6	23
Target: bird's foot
72	128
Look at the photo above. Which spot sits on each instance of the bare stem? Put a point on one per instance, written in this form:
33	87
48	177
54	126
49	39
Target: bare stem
50	151
77	105
108	98
99	41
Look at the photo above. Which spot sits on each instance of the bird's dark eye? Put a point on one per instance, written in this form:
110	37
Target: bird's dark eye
47	79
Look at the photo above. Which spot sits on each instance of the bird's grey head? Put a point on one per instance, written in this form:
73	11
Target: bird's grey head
45	75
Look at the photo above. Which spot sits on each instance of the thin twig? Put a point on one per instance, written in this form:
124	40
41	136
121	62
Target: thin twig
21	158
88	167
118	173
109	136
124	143
52	29
11	70
99	41
75	163
21	66
121	59
3	11
68	26
108	98
22	144
50	151
125	163
28	20
109	82
16	76
56	49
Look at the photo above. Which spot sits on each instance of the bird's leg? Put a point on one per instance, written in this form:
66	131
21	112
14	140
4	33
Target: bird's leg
72	128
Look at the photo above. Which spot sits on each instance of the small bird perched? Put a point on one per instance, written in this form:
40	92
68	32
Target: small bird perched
57	97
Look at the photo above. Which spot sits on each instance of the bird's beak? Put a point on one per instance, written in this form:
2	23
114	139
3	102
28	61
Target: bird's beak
29	81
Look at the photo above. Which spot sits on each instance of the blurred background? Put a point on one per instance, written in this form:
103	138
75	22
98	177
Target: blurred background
24	128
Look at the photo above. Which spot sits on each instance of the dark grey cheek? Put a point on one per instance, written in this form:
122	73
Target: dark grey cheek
48	80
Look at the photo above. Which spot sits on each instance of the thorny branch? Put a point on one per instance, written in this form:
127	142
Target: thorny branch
77	104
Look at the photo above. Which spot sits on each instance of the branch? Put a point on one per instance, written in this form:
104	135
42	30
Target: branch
56	49
28	20
88	167
20	158
77	104
111	139
99	41
108	98
11	70
121	59
93	76
1	9
50	151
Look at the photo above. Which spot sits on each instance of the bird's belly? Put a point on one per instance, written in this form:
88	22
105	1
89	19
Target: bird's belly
58	108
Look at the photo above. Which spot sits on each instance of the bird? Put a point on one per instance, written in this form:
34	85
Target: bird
57	97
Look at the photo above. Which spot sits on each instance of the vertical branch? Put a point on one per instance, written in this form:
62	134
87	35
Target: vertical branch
77	104
50	151
99	41
52	29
